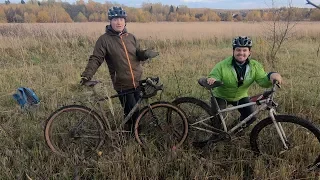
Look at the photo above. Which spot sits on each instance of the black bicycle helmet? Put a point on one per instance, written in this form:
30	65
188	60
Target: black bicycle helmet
242	41
116	11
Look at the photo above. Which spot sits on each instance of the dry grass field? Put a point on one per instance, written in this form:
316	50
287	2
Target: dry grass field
50	57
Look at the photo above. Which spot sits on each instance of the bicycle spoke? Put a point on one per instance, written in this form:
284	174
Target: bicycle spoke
162	127
199	119
73	130
302	141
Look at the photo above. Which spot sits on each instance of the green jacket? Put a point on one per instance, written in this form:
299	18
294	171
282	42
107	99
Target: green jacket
122	53
225	72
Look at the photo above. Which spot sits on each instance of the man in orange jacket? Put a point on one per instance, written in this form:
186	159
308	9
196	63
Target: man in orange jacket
123	55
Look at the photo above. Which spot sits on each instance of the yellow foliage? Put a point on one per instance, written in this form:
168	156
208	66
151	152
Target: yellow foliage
3	18
183	18
315	15
254	16
81	18
30	18
43	17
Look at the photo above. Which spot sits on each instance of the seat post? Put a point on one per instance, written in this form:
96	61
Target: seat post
214	103
215	108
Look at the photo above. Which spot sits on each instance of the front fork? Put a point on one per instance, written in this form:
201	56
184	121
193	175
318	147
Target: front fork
279	129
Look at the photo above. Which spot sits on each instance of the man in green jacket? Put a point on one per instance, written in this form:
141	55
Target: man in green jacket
237	73
123	55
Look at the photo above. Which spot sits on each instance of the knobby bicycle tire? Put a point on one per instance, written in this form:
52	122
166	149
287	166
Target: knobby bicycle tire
304	151
161	126
83	131
197	110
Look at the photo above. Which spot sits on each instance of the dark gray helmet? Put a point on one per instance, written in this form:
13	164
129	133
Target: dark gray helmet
242	41
116	11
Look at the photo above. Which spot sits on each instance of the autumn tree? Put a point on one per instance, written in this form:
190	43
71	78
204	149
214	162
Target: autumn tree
58	14
212	16
94	17
172	17
226	16
30	18
43	17
14	14
203	18
254	16
183	17
132	15
182	10
3	18
315	15
94	7
80	18
267	16
80	2
74	9
103	17
143	16
160	17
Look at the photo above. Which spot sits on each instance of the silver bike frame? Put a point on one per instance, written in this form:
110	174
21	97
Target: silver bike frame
264	104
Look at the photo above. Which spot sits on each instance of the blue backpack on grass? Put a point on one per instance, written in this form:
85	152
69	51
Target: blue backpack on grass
26	98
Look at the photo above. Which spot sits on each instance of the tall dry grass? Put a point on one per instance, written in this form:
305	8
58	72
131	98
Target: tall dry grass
50	57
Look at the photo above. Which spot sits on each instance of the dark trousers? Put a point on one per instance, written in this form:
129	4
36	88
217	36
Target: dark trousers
128	101
245	112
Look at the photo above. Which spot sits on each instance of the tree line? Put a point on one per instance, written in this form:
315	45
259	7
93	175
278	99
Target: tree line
52	11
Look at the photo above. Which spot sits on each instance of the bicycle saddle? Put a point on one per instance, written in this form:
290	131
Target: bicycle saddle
203	83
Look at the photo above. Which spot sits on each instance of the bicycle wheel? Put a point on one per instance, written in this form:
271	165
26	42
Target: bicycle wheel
196	110
161	125
74	131
303	142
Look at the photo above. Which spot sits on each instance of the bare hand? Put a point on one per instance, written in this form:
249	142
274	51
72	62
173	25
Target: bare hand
277	77
210	81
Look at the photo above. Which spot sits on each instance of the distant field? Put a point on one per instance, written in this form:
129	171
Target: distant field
178	30
50	57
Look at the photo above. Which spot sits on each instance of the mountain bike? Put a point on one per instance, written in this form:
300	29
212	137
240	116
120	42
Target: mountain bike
79	130
285	137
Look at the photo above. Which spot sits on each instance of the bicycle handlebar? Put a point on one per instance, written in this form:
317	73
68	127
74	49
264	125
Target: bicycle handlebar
203	82
91	83
269	93
150	86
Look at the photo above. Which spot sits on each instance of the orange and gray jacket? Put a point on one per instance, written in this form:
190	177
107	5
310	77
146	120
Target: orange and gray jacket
122	54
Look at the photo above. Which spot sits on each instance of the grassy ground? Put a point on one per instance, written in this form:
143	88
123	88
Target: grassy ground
49	58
